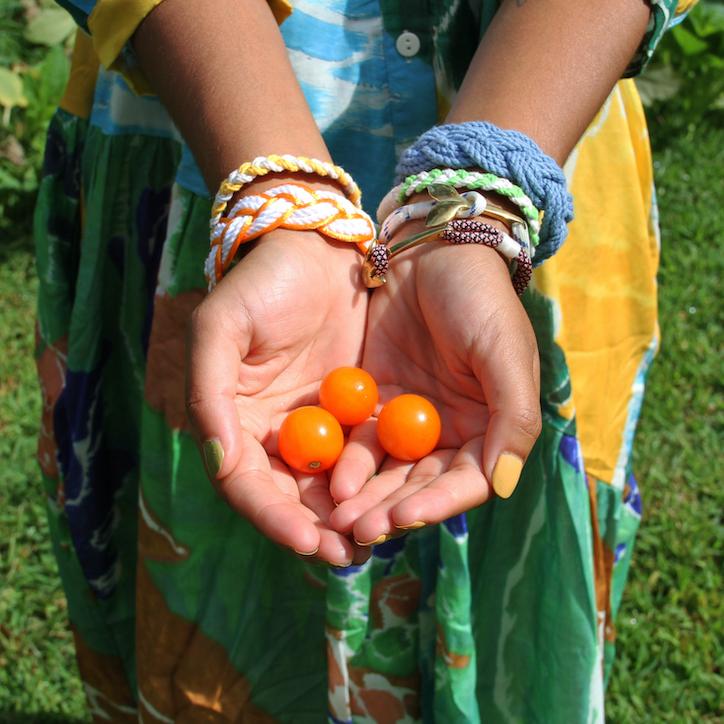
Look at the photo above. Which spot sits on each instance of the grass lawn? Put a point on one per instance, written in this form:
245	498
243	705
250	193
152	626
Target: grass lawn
670	626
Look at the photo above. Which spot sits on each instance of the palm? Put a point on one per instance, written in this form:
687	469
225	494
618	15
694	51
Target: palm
409	348
306	320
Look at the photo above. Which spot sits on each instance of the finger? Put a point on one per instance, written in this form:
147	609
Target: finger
361	554
215	349
251	490
314	494
391	476
335	549
457	490
285	480
507	366
360	459
377	520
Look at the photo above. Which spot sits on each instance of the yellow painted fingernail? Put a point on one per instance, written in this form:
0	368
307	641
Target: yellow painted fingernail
506	474
380	539
213	456
310	553
412	526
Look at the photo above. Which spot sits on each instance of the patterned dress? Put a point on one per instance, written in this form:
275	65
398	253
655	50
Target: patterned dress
181	611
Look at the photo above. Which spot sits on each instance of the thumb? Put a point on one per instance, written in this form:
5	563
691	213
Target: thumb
508	368
215	349
235	461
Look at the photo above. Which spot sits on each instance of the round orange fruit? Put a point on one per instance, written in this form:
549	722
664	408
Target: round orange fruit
408	427
310	439
350	394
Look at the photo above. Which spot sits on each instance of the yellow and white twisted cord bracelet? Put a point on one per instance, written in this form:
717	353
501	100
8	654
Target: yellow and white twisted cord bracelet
262	165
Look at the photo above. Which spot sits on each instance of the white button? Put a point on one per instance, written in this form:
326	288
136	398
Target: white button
408	44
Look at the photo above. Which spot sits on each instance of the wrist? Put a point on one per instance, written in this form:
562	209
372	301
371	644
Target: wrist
263	183
296	194
417	226
308	236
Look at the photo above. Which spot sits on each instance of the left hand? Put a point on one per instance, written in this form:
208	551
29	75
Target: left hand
259	346
449	326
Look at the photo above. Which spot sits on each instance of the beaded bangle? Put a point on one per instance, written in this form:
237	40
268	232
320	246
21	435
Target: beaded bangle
472	231
288	206
471	180
263	165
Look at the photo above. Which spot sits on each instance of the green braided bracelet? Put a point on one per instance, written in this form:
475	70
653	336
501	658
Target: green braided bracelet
473	181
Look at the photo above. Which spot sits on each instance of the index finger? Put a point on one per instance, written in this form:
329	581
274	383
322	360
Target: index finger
250	489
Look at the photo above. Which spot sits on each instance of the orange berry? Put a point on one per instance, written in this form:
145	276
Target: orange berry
350	394
310	439
408	427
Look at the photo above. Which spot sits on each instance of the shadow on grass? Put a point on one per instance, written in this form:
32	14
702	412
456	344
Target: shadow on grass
14	243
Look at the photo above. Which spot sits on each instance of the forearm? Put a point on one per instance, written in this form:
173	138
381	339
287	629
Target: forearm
545	67
221	69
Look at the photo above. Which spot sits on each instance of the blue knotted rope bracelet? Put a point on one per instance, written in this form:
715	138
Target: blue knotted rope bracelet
510	154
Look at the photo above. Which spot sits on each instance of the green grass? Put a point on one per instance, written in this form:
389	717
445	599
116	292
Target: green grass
669	664
670	626
37	668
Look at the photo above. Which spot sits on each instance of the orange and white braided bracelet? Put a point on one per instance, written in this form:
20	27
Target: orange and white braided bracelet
290	205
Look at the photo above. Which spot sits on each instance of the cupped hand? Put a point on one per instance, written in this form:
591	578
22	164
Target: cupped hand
259	346
448	326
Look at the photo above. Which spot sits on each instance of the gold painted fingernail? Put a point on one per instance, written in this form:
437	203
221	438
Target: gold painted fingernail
506	474
380	539
306	555
412	526
213	457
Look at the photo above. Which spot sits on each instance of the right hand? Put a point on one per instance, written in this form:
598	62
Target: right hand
449	326
259	346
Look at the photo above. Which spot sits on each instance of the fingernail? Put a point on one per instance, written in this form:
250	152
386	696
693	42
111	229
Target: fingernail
308	553
506	474
213	456
375	542
412	526
346	564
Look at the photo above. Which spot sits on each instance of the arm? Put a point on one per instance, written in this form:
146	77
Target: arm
278	321
221	69
545	67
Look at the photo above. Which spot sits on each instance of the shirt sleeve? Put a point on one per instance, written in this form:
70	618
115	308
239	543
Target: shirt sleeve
111	23
664	15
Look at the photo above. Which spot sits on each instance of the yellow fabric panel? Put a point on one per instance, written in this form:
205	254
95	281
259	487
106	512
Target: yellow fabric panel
78	96
113	22
685	6
604	277
282	9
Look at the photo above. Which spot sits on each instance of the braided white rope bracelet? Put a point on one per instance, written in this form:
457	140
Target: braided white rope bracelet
447	204
476	204
293	206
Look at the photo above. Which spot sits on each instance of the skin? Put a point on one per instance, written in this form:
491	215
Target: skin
447	325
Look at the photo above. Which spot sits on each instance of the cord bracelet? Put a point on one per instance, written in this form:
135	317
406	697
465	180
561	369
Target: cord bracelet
507	154
294	206
262	165
469	180
450	216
